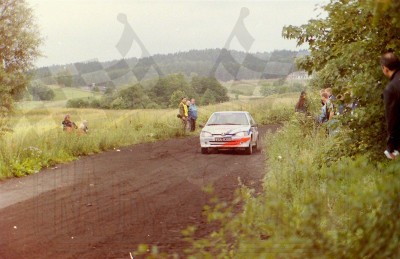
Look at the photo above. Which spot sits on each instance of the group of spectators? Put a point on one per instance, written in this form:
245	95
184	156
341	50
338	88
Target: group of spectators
188	113
332	106
328	108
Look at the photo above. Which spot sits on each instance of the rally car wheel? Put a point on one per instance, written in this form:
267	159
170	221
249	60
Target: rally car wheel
256	145
249	150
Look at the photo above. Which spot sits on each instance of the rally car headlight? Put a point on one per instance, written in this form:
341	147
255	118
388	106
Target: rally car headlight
205	134
242	134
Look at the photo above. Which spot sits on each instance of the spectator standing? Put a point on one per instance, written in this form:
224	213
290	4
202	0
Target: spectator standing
188	126
390	67
192	114
329	104
302	105
183	112
323	117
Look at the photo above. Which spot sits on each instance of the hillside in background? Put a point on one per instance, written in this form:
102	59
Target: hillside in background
222	64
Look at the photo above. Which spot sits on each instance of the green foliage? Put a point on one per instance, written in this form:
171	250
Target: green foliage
20	42
37	140
242	89
167	92
280	87
64	78
208	97
279	82
31	147
66	93
133	97
161	93
109	90
40	92
345	56
176	98
78	103
347	210
202	84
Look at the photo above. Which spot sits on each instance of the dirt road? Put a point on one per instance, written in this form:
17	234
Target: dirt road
103	206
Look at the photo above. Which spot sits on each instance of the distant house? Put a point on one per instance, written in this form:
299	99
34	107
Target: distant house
299	75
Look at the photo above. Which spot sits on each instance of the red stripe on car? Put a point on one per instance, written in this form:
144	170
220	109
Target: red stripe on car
236	142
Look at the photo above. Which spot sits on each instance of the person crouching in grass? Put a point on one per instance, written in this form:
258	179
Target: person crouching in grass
68	125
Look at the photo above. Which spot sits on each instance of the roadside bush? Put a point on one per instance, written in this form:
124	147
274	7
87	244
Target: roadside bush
308	210
41	92
208	97
78	103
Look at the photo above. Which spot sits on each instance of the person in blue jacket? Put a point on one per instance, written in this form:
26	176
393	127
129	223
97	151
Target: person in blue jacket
192	114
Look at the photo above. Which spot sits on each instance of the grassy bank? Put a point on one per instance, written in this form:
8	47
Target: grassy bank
37	139
308	210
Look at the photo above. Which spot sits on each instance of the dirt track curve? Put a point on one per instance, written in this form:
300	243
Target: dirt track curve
104	205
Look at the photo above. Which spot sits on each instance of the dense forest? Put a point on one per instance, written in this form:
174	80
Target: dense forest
222	64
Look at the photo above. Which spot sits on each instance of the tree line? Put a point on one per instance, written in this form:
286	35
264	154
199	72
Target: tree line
167	92
232	65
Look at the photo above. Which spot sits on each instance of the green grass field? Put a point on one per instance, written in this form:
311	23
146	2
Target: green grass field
62	95
37	126
246	89
66	93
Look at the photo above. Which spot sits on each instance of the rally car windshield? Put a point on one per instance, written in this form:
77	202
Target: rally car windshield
228	119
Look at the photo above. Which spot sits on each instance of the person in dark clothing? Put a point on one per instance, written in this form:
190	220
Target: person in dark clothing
390	67
302	105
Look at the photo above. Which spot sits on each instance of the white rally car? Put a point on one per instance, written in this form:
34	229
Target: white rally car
229	130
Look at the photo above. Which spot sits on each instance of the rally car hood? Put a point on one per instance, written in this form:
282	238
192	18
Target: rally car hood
226	129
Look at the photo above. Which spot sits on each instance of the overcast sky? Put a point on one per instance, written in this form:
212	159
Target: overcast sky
82	30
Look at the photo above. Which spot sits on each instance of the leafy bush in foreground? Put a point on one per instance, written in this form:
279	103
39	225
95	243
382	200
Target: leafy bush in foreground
344	55
348	210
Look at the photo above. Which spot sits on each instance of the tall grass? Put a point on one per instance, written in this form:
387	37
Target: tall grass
347	210
37	140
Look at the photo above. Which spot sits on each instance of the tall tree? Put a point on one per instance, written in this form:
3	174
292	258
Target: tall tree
19	46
